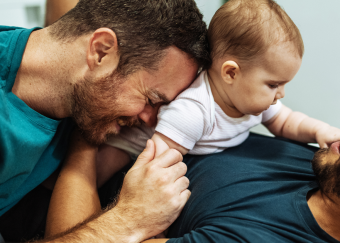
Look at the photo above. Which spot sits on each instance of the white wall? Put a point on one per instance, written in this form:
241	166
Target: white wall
316	88
208	8
30	13
23	13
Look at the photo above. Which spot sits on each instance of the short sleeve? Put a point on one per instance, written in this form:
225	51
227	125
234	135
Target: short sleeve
271	112
132	139
183	121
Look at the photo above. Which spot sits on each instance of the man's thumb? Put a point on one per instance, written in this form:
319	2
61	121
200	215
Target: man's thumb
147	155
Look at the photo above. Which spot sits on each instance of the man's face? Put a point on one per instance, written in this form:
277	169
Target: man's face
326	166
102	106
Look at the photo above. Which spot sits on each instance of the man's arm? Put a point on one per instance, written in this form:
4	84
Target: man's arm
75	192
300	127
153	194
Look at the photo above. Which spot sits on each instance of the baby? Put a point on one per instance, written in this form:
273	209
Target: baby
256	49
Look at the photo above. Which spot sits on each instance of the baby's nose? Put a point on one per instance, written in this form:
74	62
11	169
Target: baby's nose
280	93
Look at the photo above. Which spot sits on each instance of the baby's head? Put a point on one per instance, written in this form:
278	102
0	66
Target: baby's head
255	49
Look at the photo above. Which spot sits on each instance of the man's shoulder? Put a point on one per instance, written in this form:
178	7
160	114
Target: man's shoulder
9	28
6	33
6	38
13	41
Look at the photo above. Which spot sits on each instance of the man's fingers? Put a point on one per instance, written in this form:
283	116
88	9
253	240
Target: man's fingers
147	155
185	195
182	184
178	170
181	200
169	158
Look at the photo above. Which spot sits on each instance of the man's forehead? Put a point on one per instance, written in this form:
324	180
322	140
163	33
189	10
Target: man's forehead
175	73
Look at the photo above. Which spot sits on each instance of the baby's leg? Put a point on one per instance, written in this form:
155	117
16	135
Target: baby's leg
109	161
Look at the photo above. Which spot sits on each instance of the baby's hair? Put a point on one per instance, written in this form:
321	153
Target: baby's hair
245	29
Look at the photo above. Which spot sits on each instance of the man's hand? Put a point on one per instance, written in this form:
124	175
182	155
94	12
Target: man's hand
326	135
154	192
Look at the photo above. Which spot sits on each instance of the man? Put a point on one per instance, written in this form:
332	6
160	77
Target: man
261	191
103	64
324	203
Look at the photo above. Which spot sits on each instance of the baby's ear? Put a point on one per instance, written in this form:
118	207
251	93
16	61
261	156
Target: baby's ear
230	70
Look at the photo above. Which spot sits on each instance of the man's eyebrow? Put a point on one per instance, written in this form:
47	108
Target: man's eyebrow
159	96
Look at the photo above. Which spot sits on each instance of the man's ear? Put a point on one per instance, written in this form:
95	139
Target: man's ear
102	51
230	70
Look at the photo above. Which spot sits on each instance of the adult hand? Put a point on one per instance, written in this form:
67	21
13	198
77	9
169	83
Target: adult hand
154	192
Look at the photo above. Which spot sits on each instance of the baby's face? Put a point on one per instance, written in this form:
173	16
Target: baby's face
262	84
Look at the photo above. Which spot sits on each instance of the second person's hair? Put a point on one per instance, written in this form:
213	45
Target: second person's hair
246	28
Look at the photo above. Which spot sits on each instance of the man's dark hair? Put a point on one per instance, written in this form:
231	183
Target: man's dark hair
144	28
327	174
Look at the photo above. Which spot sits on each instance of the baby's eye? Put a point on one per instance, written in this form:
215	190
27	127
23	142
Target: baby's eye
273	86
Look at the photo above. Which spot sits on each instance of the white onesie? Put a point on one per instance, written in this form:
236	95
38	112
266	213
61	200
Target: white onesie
195	121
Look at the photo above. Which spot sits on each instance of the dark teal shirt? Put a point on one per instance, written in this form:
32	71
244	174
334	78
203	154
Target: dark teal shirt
31	145
255	192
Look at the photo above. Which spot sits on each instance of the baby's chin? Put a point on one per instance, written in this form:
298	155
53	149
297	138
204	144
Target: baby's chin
255	113
260	112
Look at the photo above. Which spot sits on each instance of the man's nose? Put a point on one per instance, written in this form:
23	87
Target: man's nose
149	115
280	93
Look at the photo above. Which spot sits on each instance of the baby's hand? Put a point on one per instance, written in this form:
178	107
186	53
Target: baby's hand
327	135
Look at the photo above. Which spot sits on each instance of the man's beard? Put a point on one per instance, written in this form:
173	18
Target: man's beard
327	173
96	110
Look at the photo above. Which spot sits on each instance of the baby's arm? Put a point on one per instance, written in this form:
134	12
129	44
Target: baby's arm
110	159
162	143
300	127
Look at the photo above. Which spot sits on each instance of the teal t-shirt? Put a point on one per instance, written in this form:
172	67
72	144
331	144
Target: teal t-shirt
31	145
